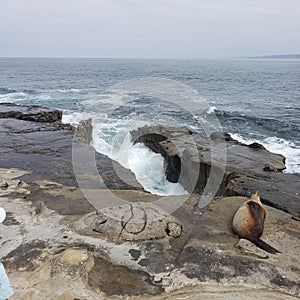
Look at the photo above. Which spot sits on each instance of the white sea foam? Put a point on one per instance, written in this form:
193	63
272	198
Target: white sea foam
211	110
278	145
111	137
12	97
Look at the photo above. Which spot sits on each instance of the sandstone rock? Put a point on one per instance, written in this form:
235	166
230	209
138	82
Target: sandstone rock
74	256
131	222
249	248
40	274
84	132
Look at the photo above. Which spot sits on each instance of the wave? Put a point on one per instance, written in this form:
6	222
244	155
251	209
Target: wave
4	91
277	145
111	137
285	127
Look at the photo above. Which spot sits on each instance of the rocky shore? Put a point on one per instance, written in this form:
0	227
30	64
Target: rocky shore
55	245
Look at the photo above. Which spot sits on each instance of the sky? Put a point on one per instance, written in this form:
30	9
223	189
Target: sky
149	28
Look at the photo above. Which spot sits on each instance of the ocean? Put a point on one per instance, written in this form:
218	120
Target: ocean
255	100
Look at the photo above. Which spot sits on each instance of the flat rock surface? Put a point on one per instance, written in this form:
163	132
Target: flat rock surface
46	255
45	149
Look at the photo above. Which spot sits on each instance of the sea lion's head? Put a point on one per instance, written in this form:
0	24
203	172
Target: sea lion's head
256	197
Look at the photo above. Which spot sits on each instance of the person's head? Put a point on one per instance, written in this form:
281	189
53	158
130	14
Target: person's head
2	214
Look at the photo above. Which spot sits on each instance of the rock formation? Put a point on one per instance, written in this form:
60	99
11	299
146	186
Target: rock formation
248	168
55	245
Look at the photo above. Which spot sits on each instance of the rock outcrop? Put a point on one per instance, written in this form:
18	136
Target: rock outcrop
33	113
248	168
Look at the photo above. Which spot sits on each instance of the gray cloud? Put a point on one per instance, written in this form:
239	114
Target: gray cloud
149	28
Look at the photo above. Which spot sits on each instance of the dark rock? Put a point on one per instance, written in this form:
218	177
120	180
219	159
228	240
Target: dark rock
10	220
278	190
199	263
256	146
45	150
30	113
144	262
221	135
24	257
281	280
120	280
247	168
135	253
269	168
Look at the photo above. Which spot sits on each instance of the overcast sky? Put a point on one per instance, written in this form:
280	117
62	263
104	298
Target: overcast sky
149	28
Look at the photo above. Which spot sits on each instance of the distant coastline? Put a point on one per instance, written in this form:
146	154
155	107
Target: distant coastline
278	56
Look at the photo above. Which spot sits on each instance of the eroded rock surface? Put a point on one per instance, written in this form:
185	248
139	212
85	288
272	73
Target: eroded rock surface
48	258
29	113
130	222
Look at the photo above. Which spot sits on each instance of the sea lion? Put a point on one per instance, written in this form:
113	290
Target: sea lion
248	222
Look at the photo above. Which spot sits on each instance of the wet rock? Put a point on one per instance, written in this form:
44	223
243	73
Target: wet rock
119	280
33	113
45	151
248	168
25	256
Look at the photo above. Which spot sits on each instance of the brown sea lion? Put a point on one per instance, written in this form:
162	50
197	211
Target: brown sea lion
248	222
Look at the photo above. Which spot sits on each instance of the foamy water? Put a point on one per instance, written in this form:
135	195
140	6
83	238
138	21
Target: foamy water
277	145
111	137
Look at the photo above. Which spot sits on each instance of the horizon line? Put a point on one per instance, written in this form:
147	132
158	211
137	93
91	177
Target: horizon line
166	58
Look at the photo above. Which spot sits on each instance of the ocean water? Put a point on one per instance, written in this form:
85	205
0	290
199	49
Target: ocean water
253	100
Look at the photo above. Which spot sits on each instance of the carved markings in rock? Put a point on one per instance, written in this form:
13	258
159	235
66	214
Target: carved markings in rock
132	222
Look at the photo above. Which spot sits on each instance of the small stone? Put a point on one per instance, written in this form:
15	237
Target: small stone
135	253
174	229
250	249
3	184
144	262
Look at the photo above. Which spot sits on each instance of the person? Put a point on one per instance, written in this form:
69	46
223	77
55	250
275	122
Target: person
6	290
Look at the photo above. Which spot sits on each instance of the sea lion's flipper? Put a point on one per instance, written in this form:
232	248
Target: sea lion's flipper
256	211
263	245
